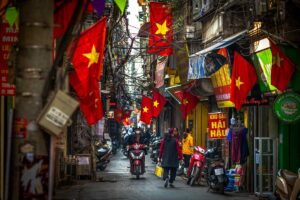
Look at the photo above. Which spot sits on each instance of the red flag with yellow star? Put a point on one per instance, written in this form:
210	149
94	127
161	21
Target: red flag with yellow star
118	114
88	53
243	78
188	103
282	68
159	102
146	110
161	33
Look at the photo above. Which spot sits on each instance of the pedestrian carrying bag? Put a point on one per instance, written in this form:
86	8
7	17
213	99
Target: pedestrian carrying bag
158	170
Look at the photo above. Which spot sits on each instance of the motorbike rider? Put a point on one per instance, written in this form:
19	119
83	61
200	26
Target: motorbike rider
137	137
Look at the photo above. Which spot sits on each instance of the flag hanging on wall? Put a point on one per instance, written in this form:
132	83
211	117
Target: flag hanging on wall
188	103
88	55
146	110
161	33
159	102
243	78
282	68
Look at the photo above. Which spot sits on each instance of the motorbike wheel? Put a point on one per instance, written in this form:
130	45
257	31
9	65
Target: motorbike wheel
102	168
137	176
195	176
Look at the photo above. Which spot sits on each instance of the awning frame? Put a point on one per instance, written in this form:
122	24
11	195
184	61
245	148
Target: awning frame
221	44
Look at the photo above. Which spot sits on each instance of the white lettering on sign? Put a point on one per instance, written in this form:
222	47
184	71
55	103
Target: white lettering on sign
57	117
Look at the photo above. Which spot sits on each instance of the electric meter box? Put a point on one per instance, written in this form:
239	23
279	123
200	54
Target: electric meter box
57	113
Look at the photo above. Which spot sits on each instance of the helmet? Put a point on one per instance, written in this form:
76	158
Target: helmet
200	149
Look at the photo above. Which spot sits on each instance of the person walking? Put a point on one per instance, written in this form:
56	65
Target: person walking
187	148
170	155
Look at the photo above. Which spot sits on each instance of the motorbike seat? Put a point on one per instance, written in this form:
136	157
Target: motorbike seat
290	177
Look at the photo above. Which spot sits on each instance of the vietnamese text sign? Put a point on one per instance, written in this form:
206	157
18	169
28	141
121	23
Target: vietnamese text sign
217	125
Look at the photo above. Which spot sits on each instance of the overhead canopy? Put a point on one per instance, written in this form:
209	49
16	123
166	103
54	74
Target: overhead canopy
221	44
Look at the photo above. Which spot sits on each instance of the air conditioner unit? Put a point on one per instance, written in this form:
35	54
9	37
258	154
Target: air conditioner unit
189	32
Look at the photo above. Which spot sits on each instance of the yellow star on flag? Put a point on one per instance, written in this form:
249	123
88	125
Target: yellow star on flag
145	109
185	101
162	28
93	56
277	60
238	83
155	103
119	114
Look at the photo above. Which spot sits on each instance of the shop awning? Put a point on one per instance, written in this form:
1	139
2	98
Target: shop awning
200	88
175	92
221	44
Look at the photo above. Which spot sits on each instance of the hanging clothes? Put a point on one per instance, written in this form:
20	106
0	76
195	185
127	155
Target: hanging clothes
244	146
239	144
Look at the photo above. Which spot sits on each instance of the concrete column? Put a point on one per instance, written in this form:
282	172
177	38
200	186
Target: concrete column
34	61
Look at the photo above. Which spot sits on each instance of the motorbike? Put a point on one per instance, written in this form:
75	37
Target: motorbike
196	166
287	185
137	159
154	148
216	176
103	154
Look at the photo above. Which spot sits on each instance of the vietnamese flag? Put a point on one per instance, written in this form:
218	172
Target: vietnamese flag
88	54
91	106
161	33
118	114
242	80
159	102
127	121
188	103
282	68
146	110
127	113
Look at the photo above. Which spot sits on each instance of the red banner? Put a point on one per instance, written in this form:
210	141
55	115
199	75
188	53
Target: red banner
8	37
217	125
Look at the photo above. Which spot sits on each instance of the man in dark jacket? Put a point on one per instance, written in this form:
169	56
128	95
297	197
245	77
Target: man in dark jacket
170	155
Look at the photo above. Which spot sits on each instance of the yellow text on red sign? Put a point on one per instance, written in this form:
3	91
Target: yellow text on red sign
217	125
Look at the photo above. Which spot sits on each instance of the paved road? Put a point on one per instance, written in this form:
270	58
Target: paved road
117	183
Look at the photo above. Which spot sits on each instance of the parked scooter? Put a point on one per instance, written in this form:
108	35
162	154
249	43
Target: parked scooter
137	159
196	166
288	185
154	148
216	176
103	153
126	136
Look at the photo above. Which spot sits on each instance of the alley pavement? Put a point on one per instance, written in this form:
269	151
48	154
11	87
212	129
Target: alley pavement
116	183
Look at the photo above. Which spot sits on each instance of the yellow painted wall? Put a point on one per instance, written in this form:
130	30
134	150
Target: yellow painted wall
199	117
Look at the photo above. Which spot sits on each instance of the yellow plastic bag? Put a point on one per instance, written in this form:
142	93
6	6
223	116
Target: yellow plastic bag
158	171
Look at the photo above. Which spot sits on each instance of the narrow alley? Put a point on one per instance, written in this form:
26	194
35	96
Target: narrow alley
117	183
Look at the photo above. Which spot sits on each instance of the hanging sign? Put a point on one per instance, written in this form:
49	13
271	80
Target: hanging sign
287	107
217	125
221	83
